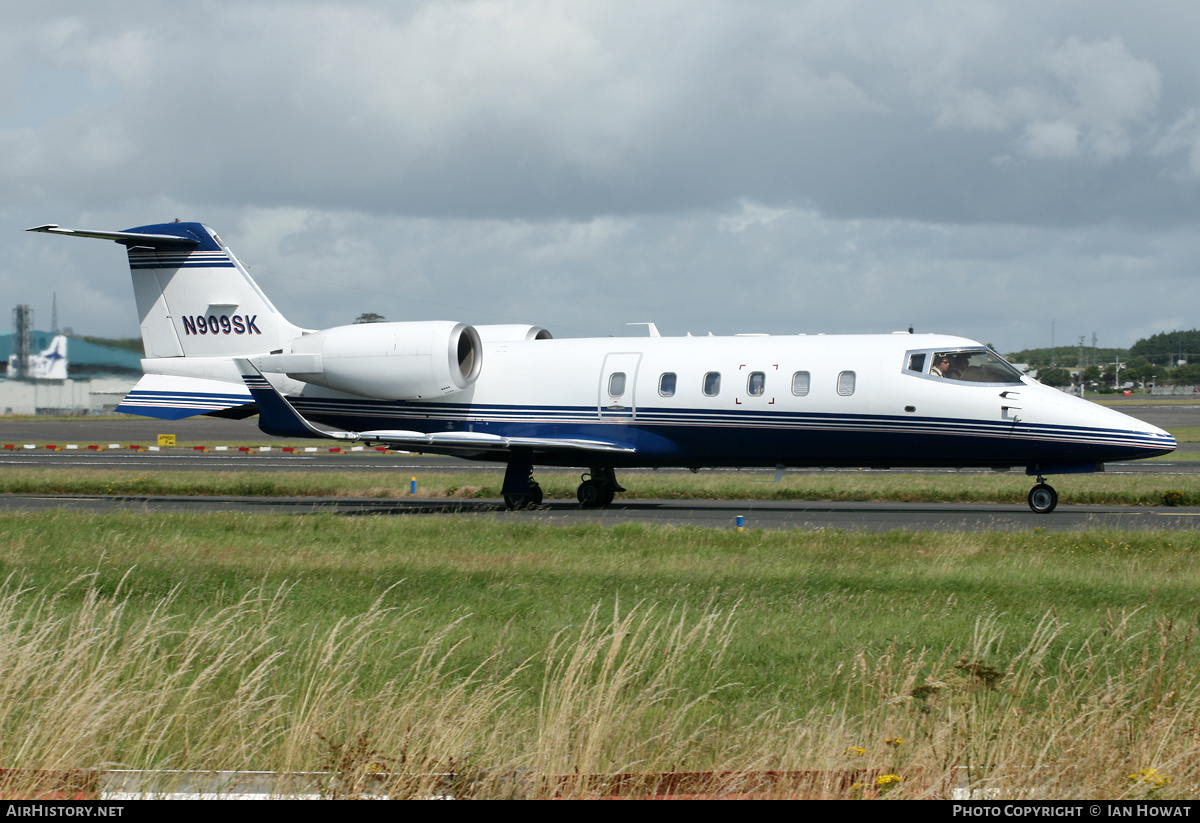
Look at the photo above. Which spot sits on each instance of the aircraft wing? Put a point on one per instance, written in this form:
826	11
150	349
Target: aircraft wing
279	417
476	441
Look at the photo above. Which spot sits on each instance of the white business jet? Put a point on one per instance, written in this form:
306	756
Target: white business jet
216	345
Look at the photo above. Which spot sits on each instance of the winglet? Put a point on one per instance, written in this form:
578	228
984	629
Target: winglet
276	416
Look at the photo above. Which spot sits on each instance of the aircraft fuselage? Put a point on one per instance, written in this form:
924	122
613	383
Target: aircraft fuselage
854	404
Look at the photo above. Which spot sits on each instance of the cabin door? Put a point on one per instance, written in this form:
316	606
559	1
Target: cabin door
618	377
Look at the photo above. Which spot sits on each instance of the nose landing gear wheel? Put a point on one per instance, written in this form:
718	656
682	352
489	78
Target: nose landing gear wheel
1043	498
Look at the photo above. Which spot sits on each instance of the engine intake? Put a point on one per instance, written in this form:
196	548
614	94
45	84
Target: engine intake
512	333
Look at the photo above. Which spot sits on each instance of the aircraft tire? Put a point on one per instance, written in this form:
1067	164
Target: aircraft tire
516	502
1043	498
594	495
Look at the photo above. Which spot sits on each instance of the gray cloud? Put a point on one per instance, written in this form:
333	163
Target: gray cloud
710	166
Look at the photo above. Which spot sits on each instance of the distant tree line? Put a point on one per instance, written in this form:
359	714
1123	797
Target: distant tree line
1169	346
1067	356
1149	361
133	344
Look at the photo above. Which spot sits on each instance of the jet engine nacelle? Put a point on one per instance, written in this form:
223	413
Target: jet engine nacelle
511	333
387	361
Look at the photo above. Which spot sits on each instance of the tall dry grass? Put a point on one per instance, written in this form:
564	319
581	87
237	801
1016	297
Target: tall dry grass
1091	722
87	686
88	683
610	701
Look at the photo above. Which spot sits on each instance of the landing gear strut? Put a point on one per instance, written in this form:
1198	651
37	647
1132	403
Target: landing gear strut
1042	497
520	490
598	488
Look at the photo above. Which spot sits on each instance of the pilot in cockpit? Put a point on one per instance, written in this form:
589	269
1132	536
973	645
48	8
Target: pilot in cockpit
950	365
942	365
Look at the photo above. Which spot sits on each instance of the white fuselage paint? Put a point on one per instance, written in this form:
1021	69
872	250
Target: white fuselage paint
559	387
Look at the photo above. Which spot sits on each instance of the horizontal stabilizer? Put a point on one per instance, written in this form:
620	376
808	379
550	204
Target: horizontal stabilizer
128	238
168	397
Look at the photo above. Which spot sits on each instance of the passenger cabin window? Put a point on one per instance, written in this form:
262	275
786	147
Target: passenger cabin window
756	384
666	384
845	384
616	384
712	384
800	381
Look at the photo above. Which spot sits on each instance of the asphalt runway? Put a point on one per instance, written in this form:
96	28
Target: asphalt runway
715	514
132	429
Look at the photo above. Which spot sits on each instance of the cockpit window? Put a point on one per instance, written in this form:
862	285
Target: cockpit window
967	365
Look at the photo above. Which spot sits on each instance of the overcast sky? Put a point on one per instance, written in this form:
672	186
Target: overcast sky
977	168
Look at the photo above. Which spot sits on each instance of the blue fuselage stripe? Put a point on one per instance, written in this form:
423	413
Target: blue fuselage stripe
712	437
715	437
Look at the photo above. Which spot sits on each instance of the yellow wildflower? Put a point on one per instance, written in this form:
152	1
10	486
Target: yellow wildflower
1151	778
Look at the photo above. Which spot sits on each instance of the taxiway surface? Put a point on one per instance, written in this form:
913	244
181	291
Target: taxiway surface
720	514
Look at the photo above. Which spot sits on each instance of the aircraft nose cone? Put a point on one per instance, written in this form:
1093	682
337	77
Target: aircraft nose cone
1164	441
1160	442
1127	437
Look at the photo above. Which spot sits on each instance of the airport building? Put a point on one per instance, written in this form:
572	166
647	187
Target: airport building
51	373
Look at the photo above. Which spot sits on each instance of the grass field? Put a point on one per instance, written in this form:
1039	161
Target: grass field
1034	665
1009	487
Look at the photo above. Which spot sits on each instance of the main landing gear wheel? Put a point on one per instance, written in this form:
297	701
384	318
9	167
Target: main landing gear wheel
598	488
525	501
1043	498
593	494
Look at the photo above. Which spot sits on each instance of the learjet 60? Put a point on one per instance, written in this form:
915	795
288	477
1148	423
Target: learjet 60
514	394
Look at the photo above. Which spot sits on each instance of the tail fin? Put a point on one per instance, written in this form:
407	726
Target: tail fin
194	297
